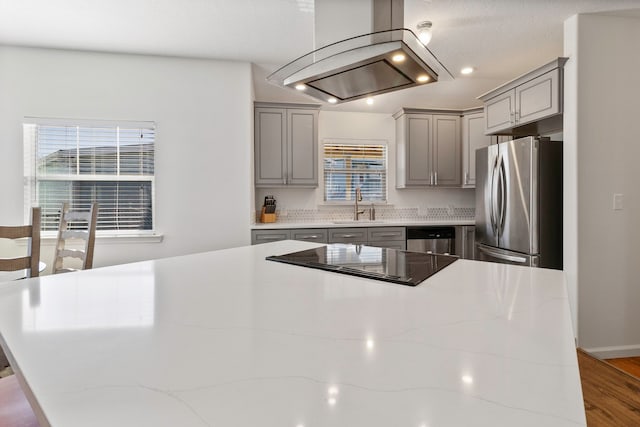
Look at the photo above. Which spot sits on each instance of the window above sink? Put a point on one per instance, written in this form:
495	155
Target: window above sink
355	164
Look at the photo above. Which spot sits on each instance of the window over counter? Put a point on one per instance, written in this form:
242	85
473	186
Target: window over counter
352	164
80	162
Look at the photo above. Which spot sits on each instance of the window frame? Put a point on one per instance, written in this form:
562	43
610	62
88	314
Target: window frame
356	142
31	178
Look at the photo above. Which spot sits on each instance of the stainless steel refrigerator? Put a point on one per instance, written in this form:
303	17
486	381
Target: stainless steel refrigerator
519	203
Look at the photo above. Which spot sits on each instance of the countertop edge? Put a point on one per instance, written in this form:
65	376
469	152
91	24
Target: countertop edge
383	223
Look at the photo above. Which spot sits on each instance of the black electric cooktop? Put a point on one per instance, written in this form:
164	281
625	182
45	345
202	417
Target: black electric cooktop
389	265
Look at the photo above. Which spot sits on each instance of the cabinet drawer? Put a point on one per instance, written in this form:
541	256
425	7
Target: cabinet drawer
382	234
348	235
264	236
310	235
400	245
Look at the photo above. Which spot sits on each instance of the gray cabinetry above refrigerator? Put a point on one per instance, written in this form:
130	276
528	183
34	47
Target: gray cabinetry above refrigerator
528	105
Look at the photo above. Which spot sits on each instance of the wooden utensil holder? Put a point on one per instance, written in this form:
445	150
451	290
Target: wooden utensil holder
267	217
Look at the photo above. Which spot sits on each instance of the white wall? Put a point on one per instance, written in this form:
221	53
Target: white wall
367	126
201	107
570	168
603	104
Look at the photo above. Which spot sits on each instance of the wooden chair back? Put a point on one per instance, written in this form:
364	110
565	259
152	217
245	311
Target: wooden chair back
31	261
69	231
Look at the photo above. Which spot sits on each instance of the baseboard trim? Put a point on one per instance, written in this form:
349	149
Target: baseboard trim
614	352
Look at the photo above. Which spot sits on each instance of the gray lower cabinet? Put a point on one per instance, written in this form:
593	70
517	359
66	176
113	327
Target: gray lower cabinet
465	241
384	237
286	145
318	235
266	236
469	241
387	237
348	235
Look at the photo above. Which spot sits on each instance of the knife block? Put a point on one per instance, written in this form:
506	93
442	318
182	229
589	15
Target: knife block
267	217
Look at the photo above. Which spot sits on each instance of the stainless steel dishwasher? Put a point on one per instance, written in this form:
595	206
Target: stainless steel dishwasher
437	240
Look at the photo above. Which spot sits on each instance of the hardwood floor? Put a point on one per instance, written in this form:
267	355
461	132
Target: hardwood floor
611	397
631	365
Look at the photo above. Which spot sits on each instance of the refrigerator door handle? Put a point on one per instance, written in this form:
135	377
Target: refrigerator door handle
493	202
502	256
503	194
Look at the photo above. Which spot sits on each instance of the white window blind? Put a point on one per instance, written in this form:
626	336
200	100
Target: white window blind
349	166
80	163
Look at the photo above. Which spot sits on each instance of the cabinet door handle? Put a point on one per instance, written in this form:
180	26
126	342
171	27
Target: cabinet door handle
466	177
436	177
312	236
347	236
517	114
512	117
388	235
430	178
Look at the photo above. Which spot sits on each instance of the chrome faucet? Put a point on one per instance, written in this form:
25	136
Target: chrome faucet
358	198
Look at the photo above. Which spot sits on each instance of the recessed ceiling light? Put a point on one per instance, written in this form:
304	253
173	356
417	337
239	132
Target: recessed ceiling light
300	86
332	100
422	78
398	57
467	70
467	379
369	101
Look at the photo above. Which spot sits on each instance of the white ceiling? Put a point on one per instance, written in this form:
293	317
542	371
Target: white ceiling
500	38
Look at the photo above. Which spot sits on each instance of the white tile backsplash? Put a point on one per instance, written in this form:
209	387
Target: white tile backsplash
329	214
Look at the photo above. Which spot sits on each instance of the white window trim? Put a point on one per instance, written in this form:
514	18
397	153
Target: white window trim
103	236
49	238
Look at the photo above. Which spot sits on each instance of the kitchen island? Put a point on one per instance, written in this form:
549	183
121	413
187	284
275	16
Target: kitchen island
227	338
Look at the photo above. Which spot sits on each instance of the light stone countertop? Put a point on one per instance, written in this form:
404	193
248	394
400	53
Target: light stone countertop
227	338
361	223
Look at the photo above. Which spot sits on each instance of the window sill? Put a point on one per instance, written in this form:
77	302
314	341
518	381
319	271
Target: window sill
107	238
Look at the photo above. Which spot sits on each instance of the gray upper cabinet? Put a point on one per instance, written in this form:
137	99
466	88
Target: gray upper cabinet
499	112
428	149
446	151
286	145
473	137
529	104
270	146
414	150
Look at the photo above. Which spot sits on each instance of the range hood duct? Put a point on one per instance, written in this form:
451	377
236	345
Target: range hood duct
364	65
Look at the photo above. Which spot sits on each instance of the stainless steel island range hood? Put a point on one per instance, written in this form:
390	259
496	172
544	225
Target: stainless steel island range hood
388	58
